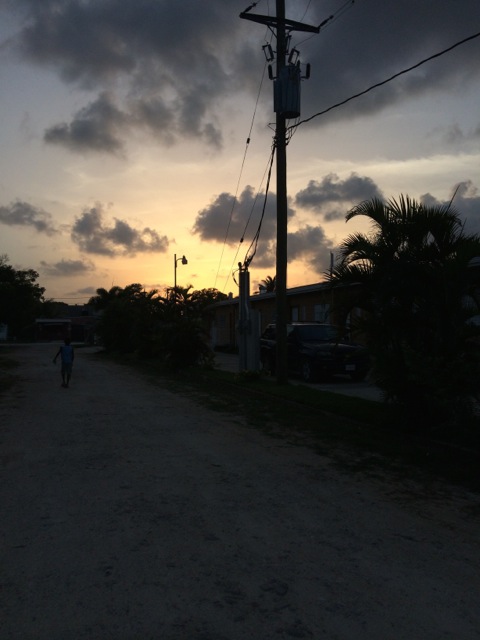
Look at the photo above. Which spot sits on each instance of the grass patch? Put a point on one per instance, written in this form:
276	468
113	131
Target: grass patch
361	435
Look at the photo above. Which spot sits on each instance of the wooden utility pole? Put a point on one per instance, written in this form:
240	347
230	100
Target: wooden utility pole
282	26
281	268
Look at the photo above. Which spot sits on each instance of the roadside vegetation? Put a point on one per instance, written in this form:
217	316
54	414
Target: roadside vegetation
168	328
418	288
419	291
21	299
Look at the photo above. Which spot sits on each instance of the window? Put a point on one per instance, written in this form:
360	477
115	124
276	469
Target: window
321	312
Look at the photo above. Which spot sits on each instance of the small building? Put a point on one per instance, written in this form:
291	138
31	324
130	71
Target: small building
319	302
78	328
52	329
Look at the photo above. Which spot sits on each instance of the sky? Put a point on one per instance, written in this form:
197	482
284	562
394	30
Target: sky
136	131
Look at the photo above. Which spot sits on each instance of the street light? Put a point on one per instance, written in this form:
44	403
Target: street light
175	260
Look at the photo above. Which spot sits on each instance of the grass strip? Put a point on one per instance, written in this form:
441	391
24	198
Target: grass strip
360	435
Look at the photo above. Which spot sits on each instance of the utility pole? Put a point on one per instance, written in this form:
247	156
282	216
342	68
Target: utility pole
282	86
282	255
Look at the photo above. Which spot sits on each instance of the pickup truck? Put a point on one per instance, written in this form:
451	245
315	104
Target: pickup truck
315	351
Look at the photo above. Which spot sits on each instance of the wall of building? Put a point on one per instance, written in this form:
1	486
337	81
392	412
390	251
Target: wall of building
314	303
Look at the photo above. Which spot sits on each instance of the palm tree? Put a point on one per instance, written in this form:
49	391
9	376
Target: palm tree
129	317
269	284
413	272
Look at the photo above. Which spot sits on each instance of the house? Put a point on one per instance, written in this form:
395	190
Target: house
79	326
319	302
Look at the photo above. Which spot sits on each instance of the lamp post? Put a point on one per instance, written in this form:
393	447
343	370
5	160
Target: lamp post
175	261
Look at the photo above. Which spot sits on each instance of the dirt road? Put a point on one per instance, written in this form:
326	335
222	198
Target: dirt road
131	513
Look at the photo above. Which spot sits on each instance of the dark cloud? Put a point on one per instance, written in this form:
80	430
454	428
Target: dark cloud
309	244
93	235
219	223
333	197
89	291
455	135
67	267
372	41
227	220
23	214
176	62
97	127
466	200
171	61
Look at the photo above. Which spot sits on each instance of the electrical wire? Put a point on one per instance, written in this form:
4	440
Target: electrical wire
241	171
380	84
248	221
329	21
254	243
306	11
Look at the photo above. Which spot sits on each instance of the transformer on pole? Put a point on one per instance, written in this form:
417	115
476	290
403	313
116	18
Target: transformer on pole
286	105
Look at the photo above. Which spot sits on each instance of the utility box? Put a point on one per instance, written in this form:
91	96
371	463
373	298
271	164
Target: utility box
286	92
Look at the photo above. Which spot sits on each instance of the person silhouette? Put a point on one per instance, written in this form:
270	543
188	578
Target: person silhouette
67	356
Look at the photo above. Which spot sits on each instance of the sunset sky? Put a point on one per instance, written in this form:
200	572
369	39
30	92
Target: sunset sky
124	127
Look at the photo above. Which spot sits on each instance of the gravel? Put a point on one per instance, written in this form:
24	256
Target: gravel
130	512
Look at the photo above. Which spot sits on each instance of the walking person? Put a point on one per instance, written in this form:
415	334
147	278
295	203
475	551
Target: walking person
67	356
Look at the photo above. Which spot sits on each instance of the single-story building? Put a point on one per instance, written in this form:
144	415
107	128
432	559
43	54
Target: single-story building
319	302
77	329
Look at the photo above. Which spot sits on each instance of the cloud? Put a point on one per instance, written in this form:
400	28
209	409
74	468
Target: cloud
228	220
67	267
90	291
23	214
466	201
170	61
309	244
455	135
373	41
333	197
93	235
175	64
96	127
225	220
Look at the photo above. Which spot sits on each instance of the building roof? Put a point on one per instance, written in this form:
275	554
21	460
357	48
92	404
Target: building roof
306	288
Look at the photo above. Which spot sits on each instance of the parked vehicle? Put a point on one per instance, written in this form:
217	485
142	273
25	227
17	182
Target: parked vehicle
315	351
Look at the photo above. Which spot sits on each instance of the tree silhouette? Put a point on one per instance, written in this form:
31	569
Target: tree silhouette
413	268
269	283
21	299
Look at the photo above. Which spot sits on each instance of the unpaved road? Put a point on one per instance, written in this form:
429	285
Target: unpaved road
128	512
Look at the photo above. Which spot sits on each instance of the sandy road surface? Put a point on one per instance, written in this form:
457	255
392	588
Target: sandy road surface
128	512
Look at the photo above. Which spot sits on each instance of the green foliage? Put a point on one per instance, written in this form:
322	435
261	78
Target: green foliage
20	299
418	294
269	283
181	344
153	326
129	318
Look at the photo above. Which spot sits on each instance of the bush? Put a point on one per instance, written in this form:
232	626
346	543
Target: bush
182	344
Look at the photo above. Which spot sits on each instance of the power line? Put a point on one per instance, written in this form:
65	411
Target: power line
254	243
329	20
243	163
380	84
270	160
